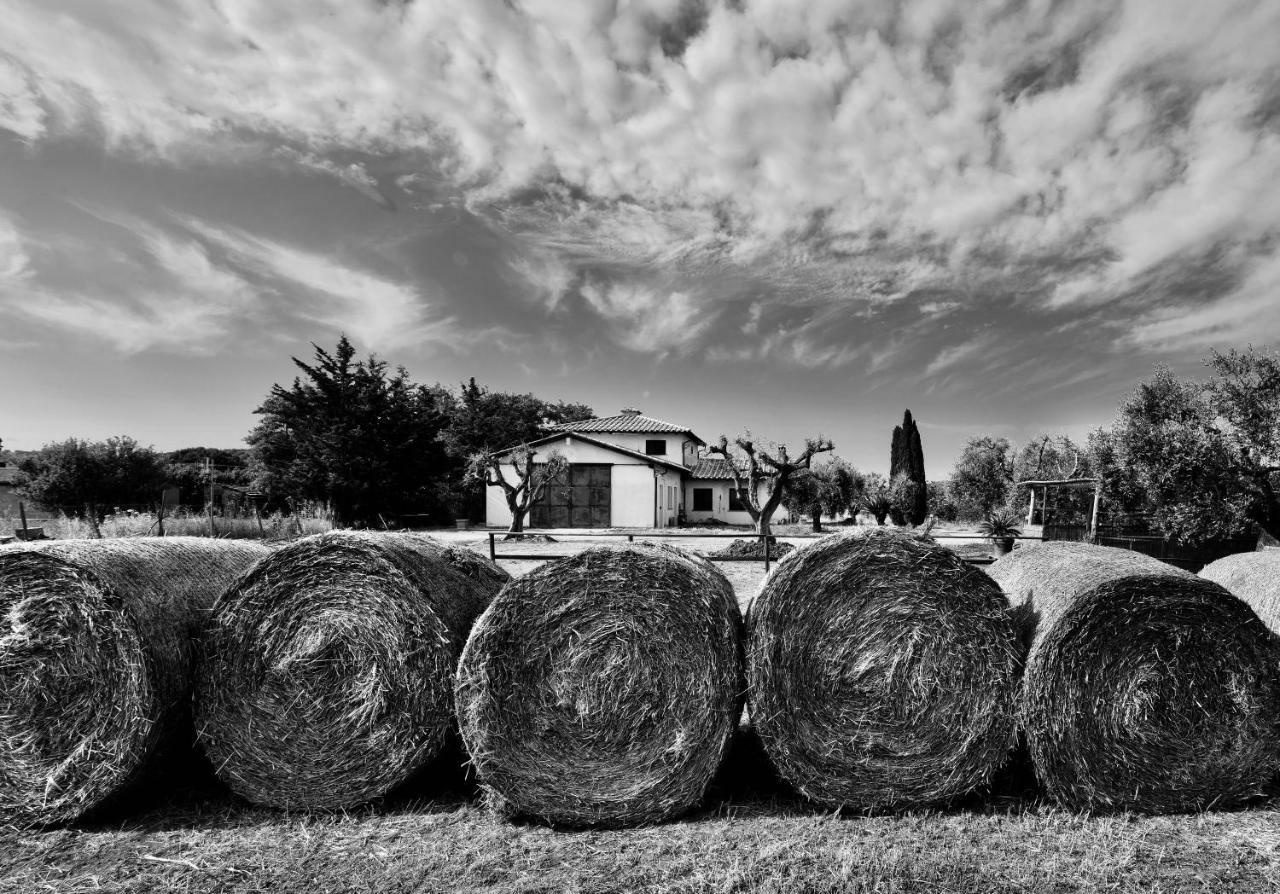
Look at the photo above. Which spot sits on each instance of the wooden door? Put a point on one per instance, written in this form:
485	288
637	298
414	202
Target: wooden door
580	498
552	510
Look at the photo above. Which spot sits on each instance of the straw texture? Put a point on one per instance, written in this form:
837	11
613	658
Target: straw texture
1146	688
1253	577
326	675
603	689
95	663
882	672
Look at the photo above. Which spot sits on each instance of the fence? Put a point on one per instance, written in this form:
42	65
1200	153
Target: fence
766	552
1182	555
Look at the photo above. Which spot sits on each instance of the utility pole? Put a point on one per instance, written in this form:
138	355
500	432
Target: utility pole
208	470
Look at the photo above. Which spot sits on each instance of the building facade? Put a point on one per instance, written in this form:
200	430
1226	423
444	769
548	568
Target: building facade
626	471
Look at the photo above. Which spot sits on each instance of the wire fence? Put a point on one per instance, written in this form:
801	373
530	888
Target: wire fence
768	552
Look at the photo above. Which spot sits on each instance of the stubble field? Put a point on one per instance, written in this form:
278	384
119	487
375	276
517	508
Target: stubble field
751	836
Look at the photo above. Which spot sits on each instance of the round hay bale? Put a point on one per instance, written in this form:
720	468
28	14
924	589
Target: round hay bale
95	663
325	677
1146	688
1253	577
882	671
603	689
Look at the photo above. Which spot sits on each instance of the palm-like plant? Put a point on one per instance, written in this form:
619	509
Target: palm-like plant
879	505
1001	527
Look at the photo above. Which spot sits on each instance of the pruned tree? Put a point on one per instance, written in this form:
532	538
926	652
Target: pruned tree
772	472
828	489
481	419
528	481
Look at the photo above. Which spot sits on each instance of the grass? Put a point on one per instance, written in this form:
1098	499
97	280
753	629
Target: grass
766	844
131	523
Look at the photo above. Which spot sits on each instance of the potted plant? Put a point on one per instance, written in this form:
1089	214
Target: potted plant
1000	527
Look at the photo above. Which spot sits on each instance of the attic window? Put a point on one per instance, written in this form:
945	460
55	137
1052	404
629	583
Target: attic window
656	447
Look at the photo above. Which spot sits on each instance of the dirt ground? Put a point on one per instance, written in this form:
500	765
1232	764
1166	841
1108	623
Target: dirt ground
746	577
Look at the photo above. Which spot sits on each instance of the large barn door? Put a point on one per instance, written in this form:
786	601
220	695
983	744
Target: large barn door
552	510
580	498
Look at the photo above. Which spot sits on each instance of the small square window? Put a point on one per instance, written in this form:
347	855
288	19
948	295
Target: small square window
655	448
702	499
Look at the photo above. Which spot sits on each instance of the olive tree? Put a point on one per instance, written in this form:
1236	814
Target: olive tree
523	481
770	471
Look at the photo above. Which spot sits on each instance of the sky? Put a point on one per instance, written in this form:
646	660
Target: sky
788	218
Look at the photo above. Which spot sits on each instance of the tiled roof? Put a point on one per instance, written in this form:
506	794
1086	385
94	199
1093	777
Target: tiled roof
8	474
713	469
624	422
656	460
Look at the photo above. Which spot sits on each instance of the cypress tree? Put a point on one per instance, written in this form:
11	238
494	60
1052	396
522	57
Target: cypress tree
921	509
906	457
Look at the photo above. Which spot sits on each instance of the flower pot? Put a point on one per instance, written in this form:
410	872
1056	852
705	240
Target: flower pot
464	524
1002	546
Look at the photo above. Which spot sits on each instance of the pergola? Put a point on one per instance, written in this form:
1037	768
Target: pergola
1048	487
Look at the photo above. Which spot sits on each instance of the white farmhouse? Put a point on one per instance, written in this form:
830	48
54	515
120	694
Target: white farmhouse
627	471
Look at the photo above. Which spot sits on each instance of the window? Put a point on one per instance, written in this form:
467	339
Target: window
655	448
738	499
702	499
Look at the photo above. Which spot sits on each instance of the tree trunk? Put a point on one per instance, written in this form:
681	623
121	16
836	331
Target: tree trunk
91	514
763	527
517	519
817	522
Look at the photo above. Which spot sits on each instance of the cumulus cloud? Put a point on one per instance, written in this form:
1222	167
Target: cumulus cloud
1057	156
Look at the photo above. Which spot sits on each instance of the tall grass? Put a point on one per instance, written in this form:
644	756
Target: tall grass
132	523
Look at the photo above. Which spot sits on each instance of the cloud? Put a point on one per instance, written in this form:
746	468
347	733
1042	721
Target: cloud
180	300
354	175
1249	315
192	288
1050	156
647	320
956	355
15	259
383	313
20	109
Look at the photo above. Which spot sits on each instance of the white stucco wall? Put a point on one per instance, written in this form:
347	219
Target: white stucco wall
631	484
720	503
496	513
636	442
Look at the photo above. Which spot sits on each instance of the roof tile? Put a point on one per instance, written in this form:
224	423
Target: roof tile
711	469
624	422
